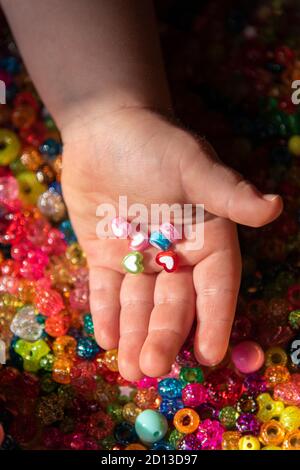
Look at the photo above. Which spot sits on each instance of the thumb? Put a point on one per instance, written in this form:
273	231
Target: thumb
223	191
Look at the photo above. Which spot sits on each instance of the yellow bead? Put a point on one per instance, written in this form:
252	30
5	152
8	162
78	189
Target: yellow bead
130	412
230	440
268	408
65	346
290	418
9	146
186	420
30	188
61	370
275	356
292	441
111	360
272	433
294	145
270	447
249	443
75	255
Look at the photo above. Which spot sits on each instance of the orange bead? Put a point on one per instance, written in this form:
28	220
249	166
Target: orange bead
292	441
61	370
186	420
31	158
276	374
272	433
147	398
64	346
23	116
135	446
111	360
230	440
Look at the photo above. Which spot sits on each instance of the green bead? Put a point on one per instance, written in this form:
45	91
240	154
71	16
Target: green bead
294	319
116	412
191	375
108	442
228	416
175	437
88	324
31	353
151	426
46	362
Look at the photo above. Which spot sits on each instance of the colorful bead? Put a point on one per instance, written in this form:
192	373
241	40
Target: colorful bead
275	356
194	394
139	241
228	416
170	232
209	434
249	443
186	420
268	408
10	146
272	433
151	426
292	441
159	241
290	418
248	424
133	262
230	440
248	357
170	388
120	227
31	353
275	375
168	260
25	325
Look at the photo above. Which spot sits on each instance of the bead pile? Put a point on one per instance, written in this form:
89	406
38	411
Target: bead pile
58	390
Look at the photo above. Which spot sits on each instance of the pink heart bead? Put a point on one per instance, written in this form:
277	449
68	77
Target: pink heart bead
247	357
139	241
120	227
170	232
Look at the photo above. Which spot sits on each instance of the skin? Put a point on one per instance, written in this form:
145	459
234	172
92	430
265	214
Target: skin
118	140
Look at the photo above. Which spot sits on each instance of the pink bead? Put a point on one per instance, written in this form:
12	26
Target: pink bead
139	241
9	188
147	382
247	357
170	232
194	394
288	392
120	227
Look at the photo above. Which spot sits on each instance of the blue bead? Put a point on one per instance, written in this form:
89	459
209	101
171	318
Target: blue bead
162	445
170	388
88	324
169	407
67	229
151	426
158	240
50	148
125	433
87	348
56	186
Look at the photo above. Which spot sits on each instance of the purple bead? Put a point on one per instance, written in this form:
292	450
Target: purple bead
255	384
248	424
209	434
205	410
189	442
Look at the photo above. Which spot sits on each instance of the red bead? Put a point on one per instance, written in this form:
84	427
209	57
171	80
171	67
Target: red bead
168	260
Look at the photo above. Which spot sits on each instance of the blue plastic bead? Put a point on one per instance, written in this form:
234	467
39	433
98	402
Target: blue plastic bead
50	148
88	324
162	445
170	388
87	348
56	186
67	229
158	240
169	407
151	426
125	433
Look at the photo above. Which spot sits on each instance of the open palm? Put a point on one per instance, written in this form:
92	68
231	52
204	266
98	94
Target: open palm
137	153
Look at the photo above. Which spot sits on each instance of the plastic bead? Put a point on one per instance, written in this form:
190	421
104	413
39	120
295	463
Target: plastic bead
194	394
288	393
275	375
272	433
111	360
191	375
170	232
249	443
147	398
294	145
151	426
51	205
25	325
10	146
209	434
230	440
186	420
228	417
120	227
268	408
290	418
248	424
133	262
139	241
170	407
168	260
31	353
30	188
170	388
275	356
292	441
130	412
159	241
247	357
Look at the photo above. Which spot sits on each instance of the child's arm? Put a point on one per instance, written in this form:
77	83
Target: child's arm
97	66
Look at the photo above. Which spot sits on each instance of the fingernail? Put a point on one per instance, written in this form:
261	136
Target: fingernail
270	197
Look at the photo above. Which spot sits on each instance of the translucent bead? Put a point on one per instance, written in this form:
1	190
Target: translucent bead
57	325
230	440
294	319
100	425
190	375
168	260
288	393
159	241
52	205
130	412
64	346
170	388
209	434
194	394
275	375
248	424
48	302
186	420
111	360
275	356
170	232
87	348
75	255
272	433
147	398
25	325
249	443
246	404
292	441
30	188
169	407
61	370
10	146
9	188
228	416
290	418
31	353
268	408
151	426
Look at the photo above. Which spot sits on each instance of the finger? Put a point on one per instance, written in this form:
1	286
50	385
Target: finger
217	280
223	191
136	305
105	287
170	321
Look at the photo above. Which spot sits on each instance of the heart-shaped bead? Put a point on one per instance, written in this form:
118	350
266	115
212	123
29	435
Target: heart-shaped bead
139	241
158	240
133	262
25	325
120	227
170	232
168	260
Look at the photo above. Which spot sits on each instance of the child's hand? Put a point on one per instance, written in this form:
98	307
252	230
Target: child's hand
136	153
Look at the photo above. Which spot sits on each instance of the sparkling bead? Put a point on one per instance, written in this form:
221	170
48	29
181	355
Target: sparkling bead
25	325
292	441
275	356
248	424
51	205
189	442
228	416
275	375
272	433
170	388
194	394
10	146
290	418
186	420
230	440
209	434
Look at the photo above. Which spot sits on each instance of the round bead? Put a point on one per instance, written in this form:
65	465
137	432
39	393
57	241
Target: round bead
249	443
151	426
290	418
247	357
191	375
272	433
292	441
170	388
228	416
186	420
30	187
275	356
193	394
9	146
294	145
230	440
25	325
